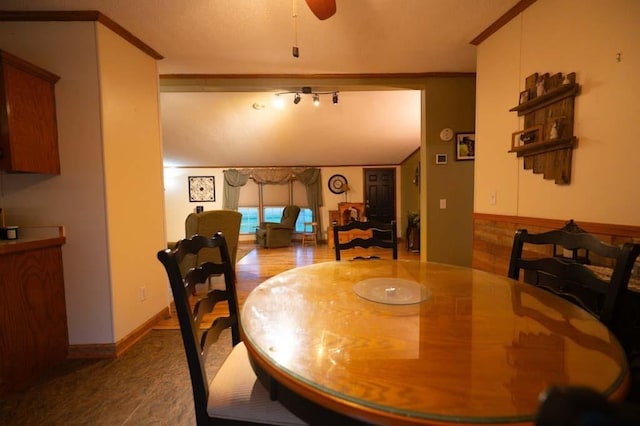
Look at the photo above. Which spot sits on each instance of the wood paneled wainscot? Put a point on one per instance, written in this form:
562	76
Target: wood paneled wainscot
33	319
493	239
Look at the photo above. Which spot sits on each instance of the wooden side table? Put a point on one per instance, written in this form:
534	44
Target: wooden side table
312	235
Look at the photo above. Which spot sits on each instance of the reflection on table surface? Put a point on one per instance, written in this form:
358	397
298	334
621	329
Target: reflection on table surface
472	352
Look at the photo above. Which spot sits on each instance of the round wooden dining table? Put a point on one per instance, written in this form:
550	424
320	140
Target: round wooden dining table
407	342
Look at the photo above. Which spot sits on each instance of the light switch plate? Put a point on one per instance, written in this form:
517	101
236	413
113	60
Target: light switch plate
441	158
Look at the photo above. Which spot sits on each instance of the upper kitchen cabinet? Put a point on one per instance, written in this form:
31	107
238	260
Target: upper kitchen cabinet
28	129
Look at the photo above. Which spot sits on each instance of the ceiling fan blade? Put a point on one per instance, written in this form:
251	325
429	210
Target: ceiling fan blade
323	9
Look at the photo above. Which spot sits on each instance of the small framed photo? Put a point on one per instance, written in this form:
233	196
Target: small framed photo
524	96
465	146
202	189
526	136
441	158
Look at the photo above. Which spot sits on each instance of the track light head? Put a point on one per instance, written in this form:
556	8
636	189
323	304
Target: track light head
306	90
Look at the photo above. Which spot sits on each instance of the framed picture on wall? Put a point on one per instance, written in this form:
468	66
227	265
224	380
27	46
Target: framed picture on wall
465	146
202	189
524	96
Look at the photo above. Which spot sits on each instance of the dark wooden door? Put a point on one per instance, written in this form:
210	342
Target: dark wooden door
380	194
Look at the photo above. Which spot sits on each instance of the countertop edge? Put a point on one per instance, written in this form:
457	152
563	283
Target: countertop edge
16	246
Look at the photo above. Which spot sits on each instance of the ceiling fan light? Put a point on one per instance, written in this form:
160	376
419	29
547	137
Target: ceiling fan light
278	102
296	98
316	99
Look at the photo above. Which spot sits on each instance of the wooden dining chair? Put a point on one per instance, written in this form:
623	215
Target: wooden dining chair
383	235
579	405
234	396
561	261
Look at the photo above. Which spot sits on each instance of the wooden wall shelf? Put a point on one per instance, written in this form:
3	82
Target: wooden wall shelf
551	97
544	146
548	122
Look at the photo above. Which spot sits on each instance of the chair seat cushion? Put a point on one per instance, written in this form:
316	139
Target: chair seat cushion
236	394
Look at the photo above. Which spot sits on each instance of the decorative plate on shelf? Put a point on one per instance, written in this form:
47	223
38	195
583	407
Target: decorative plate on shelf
337	184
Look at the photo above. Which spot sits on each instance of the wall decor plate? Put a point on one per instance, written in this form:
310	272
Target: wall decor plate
446	134
337	184
202	188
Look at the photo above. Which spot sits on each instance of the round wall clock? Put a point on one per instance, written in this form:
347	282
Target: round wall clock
337	184
446	134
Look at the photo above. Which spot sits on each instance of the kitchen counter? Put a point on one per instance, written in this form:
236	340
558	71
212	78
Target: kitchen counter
33	238
33	319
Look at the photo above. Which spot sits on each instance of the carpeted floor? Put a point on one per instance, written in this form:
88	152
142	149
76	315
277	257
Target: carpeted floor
148	385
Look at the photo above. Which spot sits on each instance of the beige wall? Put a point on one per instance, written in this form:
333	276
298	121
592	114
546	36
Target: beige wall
564	36
176	194
75	198
87	197
132	149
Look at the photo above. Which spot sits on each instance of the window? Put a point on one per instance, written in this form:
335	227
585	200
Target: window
249	221
305	216
274	214
274	198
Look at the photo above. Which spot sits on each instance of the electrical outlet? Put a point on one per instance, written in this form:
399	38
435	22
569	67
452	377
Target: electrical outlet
493	198
143	293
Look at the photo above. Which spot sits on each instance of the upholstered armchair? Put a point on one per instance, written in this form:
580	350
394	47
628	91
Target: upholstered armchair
278	234
207	223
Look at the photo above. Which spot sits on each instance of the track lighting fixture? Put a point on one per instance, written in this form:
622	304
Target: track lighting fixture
306	90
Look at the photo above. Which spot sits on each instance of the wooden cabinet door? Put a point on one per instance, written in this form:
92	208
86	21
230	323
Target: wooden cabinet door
33	316
28	128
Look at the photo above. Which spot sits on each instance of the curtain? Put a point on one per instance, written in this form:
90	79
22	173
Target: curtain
233	181
312	181
272	176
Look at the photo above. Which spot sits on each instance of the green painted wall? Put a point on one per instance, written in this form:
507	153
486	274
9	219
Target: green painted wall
450	102
410	192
